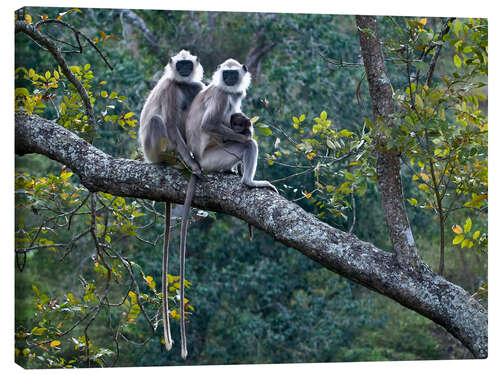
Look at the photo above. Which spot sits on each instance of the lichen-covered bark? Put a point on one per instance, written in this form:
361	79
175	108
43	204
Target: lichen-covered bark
388	164
425	292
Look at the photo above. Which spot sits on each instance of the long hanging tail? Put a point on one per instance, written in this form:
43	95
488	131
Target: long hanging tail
185	218
164	288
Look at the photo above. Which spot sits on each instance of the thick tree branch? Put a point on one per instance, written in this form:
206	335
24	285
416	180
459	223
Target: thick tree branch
425	292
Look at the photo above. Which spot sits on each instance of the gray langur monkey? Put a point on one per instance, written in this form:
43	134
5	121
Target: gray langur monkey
215	146
162	137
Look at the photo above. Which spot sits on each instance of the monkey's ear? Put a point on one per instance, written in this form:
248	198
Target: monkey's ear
170	60
245	68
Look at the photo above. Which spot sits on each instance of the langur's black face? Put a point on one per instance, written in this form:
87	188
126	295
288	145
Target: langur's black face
230	77
184	67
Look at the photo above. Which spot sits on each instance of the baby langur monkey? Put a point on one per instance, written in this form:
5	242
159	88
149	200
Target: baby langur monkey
162	136
241	124
215	146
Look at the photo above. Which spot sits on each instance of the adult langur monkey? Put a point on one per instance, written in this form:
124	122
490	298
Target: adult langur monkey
162	136
215	146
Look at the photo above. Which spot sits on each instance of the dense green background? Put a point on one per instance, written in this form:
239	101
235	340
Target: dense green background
255	302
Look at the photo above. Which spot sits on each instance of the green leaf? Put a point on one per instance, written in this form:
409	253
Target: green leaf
345	133
302	117
323	115
330	144
419	101
128	115
86	67
349	176
457	61
413	202
21	91
476	235
458	239
468	225
104	93
265	131
38	330
458	27
35	289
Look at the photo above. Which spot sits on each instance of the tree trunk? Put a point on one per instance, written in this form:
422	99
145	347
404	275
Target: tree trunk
388	163
426	292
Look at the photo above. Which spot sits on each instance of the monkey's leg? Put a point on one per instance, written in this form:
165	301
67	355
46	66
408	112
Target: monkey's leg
174	134
217	159
248	153
164	288
156	140
185	218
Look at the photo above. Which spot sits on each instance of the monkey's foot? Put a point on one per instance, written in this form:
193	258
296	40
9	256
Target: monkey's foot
261	184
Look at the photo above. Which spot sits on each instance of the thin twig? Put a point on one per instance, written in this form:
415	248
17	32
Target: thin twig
77	33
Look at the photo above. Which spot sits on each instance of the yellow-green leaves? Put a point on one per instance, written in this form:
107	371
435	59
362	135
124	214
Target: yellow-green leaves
458	239
298	120
468	225
464	238
21	91
55	343
38	331
419	102
35	289
413	202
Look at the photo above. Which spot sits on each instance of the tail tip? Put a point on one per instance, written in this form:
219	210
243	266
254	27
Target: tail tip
168	345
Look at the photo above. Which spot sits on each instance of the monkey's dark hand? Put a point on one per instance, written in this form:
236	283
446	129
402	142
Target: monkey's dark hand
199	174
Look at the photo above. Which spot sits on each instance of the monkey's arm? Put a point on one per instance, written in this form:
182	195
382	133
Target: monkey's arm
222	131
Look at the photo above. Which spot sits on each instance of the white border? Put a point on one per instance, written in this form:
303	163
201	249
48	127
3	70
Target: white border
388	7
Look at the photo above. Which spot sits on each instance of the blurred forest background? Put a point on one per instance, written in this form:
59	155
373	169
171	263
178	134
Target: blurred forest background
249	301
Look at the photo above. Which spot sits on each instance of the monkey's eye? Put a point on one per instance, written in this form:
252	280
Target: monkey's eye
245	68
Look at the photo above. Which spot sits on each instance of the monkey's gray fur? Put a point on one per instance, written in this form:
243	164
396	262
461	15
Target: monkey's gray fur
162	135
